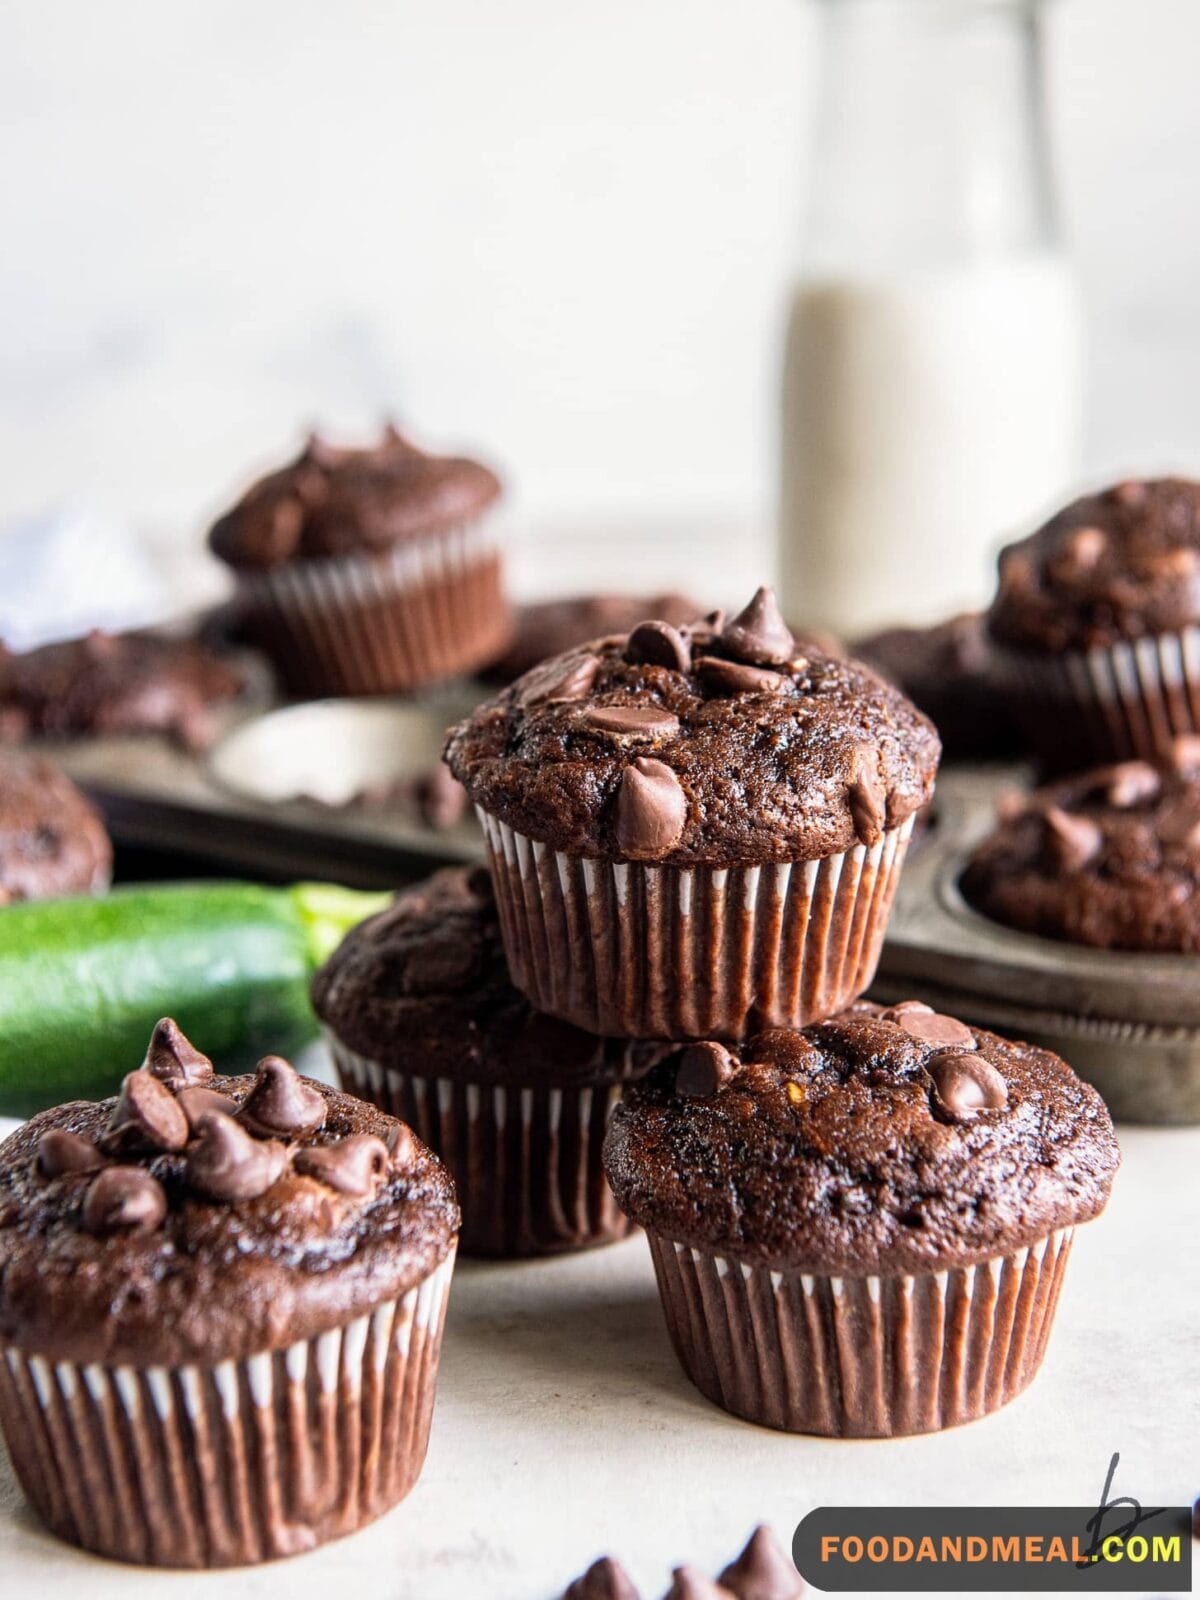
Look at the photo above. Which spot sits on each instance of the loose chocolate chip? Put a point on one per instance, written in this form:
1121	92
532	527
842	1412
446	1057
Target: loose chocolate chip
1130	782
281	1102
652	810
174	1059
759	634
934	1027
868	806
553	681
605	1579
1185	752
704	1069
354	1166
658	644
721	677
124	1199
633	722
1070	841
196	1102
688	1583
60	1153
441	799
762	1571
966	1085
226	1163
145	1117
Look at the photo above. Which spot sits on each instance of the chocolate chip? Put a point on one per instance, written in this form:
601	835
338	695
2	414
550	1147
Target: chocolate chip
124	1199
868	806
226	1163
704	1069
354	1167
401	1144
281	1102
658	644
441	799
966	1085
934	1027
1185	752
688	1583
1011	804
60	1153
1130	493
759	634
721	677
145	1117
554	681
1070	842
652	810
633	722
605	1579
904	1008
174	1059
197	1102
1081	550
762	1571
1130	782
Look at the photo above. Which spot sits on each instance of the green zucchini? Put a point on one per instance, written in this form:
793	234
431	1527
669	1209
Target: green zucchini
82	982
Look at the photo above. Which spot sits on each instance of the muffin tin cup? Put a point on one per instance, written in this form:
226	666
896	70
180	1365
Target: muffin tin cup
525	1160
1110	703
860	1357
649	952
195	1466
346	625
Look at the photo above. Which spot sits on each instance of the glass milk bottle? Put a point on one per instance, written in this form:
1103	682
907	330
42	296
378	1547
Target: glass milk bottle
932	385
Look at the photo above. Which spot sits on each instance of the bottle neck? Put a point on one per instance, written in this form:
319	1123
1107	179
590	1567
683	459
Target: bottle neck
932	144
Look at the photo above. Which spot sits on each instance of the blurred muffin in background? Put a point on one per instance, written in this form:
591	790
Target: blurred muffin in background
107	684
368	571
548	628
946	670
52	841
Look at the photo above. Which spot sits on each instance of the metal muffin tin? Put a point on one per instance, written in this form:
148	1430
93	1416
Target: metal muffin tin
1130	1023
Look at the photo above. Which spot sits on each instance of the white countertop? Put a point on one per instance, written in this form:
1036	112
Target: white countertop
564	1429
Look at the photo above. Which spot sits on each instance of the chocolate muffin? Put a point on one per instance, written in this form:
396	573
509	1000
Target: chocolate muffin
423	1019
221	1303
1109	857
108	684
695	831
1098	617
551	627
52	841
366	571
861	1228
946	671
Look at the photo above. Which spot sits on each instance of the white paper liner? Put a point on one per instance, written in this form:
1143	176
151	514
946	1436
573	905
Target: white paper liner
650	952
860	1357
219	1466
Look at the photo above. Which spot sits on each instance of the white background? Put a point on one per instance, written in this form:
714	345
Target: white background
558	231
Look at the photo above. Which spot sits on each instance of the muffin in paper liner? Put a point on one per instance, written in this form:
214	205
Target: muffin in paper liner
364	624
526	1159
860	1357
245	1461
660	952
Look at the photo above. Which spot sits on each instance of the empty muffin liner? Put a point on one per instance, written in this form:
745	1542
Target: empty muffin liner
860	1357
244	1461
415	614
653	952
1110	703
525	1160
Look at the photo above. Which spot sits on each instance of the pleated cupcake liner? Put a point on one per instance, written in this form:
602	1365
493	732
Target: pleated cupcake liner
526	1161
649	952
1129	699
245	1461
860	1357
377	624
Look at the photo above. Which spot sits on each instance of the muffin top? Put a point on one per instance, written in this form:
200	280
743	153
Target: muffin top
946	672
716	744
1109	857
879	1141
551	627
339	502
201	1218
423	987
52	841
115	683
1116	565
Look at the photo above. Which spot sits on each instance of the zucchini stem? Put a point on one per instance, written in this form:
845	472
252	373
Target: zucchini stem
327	912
